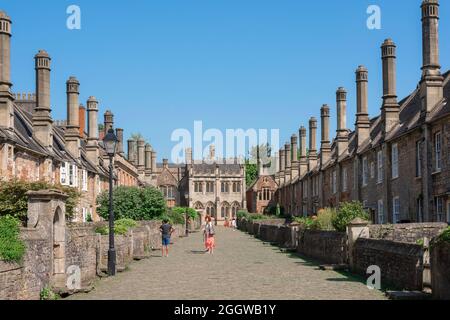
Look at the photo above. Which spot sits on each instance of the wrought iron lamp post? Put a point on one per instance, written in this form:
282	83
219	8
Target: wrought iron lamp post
110	143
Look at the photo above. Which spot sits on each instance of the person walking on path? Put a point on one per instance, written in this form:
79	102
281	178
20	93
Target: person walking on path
209	234
166	232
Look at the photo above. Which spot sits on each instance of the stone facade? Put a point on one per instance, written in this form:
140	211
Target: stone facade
397	163
261	194
408	233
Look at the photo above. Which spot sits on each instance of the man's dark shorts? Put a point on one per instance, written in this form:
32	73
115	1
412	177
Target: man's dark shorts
166	241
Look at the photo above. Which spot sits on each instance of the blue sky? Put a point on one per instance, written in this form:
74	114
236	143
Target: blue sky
161	65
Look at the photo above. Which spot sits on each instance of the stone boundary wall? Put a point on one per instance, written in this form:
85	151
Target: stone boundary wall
409	233
84	250
401	264
325	246
440	270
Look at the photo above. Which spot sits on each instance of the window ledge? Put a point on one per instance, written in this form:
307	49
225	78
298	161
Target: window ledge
436	172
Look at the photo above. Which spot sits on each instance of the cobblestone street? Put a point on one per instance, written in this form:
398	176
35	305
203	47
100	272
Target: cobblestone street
242	268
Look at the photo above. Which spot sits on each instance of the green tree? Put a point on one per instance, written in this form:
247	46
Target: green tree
251	172
133	203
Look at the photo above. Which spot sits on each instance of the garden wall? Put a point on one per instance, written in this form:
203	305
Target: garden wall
401	264
410	232
84	249
440	270
326	246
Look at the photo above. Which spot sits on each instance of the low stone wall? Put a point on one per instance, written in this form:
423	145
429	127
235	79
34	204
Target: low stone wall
440	270
409	232
325	246
269	232
401	264
288	237
11	280
81	251
84	250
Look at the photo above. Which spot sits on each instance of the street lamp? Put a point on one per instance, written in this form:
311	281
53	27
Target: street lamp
110	142
186	196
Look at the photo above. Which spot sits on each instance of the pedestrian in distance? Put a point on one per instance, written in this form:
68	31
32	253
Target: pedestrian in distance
166	230
209	235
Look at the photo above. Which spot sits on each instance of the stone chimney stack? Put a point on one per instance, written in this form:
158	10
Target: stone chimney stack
294	164
431	85
42	120
6	98
108	121
148	159
92	149
82	117
132	151
212	152
154	164
72	134
325	149
141	155
342	132
119	135
189	156
312	158
362	106
303	167
165	163
287	159
391	109
282	165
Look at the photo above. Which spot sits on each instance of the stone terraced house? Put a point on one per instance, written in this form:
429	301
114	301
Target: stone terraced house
397	163
34	147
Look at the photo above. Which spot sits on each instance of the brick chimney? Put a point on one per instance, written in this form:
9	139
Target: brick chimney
325	149
362	106
141	155
42	120
303	164
431	85
148	159
72	133
82	117
92	148
282	164
119	135
312	157
288	163
294	164
390	110
342	132
6	98
132	151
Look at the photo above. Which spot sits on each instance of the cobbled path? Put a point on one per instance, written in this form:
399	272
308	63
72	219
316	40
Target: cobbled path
242	268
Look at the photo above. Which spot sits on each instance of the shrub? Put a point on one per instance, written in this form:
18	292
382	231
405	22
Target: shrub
242	214
121	227
346	213
14	199
133	203
307	222
48	294
443	237
12	247
255	217
325	219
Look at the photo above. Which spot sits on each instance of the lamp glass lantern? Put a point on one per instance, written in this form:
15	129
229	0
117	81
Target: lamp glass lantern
110	141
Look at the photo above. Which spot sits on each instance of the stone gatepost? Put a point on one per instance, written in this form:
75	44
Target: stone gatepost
357	228
47	214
